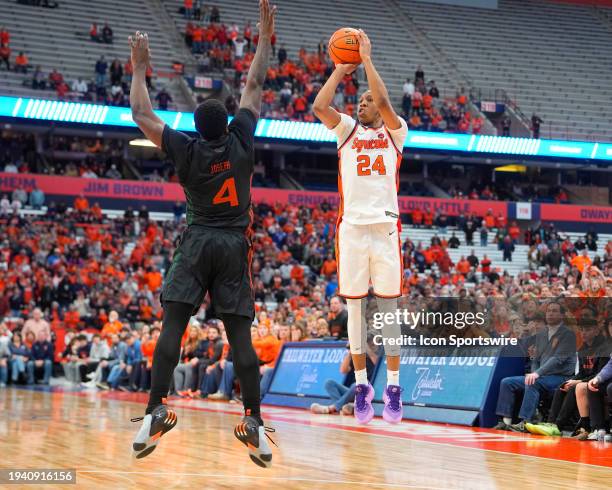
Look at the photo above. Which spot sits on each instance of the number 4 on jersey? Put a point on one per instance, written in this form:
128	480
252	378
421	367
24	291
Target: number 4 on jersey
227	193
363	165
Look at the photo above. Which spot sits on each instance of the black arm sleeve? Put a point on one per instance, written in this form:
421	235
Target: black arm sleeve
243	126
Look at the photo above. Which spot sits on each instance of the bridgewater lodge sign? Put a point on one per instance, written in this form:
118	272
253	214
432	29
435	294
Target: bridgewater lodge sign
172	192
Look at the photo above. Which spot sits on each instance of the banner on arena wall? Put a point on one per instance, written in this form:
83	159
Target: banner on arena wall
170	192
303	368
441	381
570	212
125	190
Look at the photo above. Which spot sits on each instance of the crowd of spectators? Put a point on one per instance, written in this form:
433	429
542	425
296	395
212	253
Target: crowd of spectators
293	83
108	85
423	108
67	274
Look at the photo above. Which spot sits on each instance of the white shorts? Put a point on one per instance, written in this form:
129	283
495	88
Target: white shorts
369	252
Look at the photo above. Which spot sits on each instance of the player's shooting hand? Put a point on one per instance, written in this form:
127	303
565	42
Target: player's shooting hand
266	18
139	45
365	47
346	69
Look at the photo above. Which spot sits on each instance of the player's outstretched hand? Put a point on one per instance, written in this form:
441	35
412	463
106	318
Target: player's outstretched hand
139	45
365	47
266	18
346	68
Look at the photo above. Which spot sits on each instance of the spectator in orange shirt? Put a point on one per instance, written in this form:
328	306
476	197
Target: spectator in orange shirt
154	279
146	310
72	318
581	261
142	379
284	333
266	344
21	63
297	272
284	255
463	266
515	232
113	326
81	204
489	219
330	267
417	217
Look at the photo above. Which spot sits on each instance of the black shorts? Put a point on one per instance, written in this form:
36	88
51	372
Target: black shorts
213	260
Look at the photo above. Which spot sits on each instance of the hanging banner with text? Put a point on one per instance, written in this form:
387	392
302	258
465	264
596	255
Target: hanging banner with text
168	193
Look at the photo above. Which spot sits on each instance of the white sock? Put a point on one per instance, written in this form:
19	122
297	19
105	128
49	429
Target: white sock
392	377
508	420
361	377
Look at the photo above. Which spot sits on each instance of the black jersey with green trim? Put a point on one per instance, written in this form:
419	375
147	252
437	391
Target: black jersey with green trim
216	175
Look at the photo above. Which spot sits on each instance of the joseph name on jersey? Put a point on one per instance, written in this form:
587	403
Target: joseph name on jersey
368	178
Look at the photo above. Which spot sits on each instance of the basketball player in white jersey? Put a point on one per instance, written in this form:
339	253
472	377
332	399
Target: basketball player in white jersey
368	246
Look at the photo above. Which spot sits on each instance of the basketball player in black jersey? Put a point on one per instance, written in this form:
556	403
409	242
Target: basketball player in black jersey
214	254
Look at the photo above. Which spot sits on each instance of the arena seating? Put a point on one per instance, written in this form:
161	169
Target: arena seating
59	38
551	58
302	24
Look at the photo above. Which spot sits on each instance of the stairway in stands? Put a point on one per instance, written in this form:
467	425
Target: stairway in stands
59	38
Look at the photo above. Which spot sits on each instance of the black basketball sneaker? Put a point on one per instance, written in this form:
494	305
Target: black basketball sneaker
154	425
254	437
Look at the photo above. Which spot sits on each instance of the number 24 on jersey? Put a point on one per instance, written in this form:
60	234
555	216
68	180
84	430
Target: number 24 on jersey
365	167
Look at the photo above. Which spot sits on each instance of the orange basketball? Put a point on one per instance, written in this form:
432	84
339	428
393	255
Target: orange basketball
343	46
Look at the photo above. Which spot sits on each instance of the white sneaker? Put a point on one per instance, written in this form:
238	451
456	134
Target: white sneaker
154	425
91	375
593	436
218	396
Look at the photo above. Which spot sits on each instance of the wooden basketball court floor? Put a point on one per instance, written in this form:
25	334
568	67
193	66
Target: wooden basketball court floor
91	432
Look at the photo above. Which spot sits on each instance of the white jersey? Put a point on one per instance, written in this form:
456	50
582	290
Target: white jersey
368	179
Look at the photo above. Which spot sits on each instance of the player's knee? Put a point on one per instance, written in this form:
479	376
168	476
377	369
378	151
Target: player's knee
392	349
246	361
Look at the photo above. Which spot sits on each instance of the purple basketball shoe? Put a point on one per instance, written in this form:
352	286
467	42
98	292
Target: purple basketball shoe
364	394
392	397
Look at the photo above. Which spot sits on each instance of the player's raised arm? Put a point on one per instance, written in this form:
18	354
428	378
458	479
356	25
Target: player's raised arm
376	84
142	110
251	97
322	105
